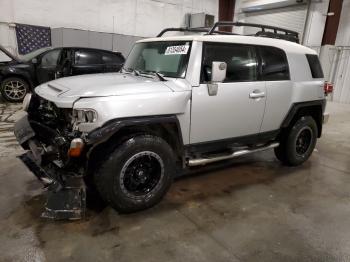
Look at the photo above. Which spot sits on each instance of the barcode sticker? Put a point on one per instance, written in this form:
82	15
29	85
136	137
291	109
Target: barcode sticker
177	50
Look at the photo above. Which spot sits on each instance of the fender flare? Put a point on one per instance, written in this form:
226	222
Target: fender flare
296	107
102	134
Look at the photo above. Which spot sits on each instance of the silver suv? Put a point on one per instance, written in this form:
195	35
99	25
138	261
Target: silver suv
179	102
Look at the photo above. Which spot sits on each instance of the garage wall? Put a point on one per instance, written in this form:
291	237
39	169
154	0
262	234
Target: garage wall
291	17
308	19
76	37
341	64
142	18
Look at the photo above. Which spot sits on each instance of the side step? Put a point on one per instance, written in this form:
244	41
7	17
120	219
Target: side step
204	161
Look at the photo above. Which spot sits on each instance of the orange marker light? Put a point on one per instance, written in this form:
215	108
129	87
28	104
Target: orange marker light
76	147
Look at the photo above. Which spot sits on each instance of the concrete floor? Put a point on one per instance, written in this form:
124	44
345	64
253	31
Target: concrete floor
251	209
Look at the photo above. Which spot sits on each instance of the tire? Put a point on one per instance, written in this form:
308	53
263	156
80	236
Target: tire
14	89
137	174
299	143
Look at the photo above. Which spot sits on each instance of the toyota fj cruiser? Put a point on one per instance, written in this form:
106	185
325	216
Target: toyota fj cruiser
179	102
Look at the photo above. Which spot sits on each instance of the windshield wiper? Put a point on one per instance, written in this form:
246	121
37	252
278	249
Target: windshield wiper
136	72
131	70
158	75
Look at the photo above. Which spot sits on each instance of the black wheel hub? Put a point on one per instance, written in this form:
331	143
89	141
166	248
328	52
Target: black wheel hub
141	174
303	141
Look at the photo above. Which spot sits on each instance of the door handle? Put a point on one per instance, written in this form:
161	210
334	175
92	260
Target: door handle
256	94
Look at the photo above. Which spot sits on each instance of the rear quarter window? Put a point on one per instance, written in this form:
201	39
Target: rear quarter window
88	57
274	64
109	58
315	66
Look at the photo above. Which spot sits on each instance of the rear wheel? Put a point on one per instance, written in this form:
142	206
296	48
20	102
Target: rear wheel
14	89
299	142
137	174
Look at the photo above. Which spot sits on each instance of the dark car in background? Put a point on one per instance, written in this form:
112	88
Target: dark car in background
19	75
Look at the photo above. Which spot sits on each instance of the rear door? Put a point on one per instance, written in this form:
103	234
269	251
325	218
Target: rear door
275	71
87	61
113	62
238	107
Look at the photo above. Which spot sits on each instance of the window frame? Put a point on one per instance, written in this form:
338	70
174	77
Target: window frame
257	57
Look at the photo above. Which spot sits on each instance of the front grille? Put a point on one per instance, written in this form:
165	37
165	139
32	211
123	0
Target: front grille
48	114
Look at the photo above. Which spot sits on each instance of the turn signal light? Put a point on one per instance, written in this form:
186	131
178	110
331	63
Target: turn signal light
76	147
328	88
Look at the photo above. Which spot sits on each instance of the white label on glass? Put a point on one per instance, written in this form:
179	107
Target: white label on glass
177	50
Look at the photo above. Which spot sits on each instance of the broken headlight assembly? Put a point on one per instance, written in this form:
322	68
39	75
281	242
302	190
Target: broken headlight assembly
84	116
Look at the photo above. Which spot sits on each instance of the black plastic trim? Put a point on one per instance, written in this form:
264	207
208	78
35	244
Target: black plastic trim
103	133
222	144
297	106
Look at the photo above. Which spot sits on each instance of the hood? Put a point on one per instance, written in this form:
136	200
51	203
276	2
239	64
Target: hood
97	85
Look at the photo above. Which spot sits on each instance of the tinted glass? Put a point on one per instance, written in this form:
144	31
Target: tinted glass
315	66
169	58
240	59
108	58
51	58
274	64
87	57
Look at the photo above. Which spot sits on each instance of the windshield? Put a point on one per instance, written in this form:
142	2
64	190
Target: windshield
33	54
169	58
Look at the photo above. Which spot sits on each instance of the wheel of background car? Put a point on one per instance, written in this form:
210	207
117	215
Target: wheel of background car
137	174
299	143
14	89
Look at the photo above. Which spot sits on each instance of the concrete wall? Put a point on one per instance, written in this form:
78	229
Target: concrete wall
143	18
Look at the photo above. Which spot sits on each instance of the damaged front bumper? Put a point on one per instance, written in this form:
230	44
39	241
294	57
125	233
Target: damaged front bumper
66	189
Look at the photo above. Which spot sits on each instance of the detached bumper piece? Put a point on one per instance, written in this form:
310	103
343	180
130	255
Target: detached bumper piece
66	192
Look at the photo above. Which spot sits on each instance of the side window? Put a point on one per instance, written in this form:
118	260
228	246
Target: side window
274	64
50	58
240	59
108	58
315	66
87	57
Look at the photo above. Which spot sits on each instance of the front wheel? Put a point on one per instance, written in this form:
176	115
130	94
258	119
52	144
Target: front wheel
137	174
14	89
299	142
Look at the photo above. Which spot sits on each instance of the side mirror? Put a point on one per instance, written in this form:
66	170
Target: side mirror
218	72
34	61
218	75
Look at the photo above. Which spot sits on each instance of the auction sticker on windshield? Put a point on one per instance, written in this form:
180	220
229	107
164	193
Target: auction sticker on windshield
177	50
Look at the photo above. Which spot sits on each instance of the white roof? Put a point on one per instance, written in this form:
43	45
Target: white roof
287	46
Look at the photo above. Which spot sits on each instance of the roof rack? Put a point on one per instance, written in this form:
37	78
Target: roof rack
194	30
277	32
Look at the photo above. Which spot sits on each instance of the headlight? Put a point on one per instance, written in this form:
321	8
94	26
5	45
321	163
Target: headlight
26	102
84	115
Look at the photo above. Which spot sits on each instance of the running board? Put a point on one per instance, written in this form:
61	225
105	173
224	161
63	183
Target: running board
204	161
